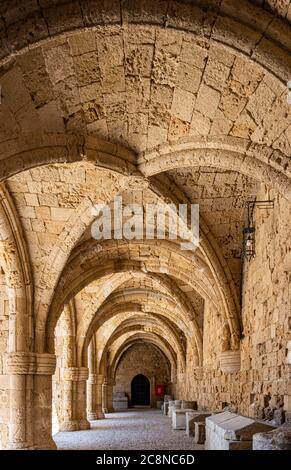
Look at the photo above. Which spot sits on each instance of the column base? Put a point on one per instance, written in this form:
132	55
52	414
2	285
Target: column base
68	426
105	410
84	424
95	416
51	445
46	446
18	446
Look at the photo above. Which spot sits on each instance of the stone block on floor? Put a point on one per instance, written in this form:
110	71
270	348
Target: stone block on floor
278	439
192	417
199	432
166	408
120	401
172	406
179	418
229	431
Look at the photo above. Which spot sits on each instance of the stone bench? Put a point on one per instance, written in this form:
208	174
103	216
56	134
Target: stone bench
193	417
230	431
278	439
171	404
165	408
159	404
179	418
174	405
165	405
120	404
167	398
120	401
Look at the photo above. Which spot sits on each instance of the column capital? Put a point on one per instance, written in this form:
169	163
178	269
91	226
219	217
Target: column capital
27	363
76	374
97	379
100	379
92	379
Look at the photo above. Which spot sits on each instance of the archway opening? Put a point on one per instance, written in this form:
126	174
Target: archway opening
140	391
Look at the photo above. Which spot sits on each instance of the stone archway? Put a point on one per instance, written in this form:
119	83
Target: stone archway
177	100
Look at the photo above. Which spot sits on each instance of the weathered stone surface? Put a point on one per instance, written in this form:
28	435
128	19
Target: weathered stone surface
179	418
279	439
158	102
193	417
186	404
199	432
230	361
119	401
145	360
224	429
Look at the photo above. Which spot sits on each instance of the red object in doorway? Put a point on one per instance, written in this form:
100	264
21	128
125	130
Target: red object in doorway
160	390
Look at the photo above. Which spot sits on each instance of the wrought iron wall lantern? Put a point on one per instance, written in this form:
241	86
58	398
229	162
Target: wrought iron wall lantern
249	231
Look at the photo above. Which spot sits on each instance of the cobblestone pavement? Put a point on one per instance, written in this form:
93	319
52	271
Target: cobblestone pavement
133	429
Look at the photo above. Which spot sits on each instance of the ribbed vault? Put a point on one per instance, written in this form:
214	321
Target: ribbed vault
167	102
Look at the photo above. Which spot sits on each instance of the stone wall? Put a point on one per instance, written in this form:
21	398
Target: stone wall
143	359
266	314
261	389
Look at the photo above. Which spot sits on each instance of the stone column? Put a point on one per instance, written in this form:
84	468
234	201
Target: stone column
94	385
91	397
99	383
69	374
74	391
31	400
68	421
104	397
109	400
18	424
95	390
42	412
83	375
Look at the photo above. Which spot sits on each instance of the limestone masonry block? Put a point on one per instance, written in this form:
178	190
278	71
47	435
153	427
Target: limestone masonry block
225	431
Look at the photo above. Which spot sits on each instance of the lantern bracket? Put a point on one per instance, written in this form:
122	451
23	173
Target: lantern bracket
249	231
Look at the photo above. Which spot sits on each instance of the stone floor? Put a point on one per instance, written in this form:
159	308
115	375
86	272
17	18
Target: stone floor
134	429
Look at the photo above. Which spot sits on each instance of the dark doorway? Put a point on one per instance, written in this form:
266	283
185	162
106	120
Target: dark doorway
140	391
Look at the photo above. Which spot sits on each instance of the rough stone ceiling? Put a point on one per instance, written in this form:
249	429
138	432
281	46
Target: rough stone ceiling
142	281
222	197
138	321
280	7
159	85
48	196
45	197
